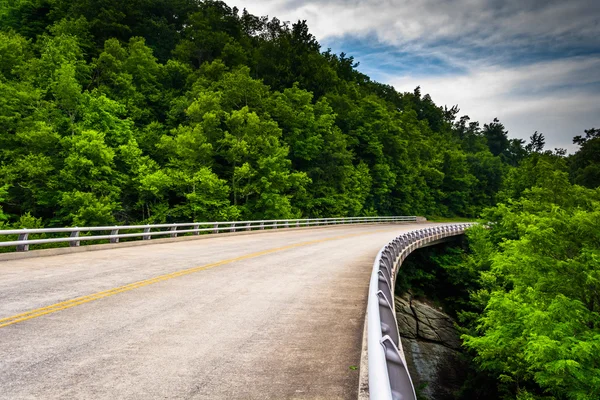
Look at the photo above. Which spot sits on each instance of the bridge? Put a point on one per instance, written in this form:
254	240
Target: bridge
276	314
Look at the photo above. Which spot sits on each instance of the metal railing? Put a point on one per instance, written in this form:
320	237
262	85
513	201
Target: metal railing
146	232
389	378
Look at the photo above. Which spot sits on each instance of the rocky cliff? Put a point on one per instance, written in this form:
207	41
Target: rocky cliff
432	348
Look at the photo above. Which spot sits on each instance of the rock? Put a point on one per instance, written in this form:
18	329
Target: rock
403	304
437	371
434	325
449	337
431	347
427	332
426	312
407	323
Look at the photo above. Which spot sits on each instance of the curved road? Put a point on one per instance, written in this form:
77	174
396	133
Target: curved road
274	315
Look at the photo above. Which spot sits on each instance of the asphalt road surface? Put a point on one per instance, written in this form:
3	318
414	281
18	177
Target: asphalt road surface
275	315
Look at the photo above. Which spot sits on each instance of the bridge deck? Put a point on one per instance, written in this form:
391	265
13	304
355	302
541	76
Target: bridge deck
273	315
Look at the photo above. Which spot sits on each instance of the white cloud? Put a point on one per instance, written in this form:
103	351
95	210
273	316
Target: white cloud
549	91
550	97
476	22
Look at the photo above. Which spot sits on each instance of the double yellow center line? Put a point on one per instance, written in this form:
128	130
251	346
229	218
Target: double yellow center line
38	312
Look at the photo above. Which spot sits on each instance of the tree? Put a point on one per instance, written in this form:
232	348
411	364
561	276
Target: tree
536	144
260	173
540	326
585	163
497	137
3	217
320	149
89	184
15	51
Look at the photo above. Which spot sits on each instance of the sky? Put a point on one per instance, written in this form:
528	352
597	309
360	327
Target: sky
533	64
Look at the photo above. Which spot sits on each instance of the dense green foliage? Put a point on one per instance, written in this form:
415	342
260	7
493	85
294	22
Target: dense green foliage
539	295
527	292
164	111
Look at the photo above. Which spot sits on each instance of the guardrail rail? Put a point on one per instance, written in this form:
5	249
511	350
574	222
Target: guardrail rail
146	232
388	374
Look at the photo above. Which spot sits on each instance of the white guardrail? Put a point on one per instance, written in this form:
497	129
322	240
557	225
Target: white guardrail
146	232
389	378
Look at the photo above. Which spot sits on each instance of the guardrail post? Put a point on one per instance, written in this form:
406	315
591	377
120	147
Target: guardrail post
74	243
146	230
248	226
23	247
297	223
389	325
113	233
216	228
174	230
275	225
262	225
287	224
399	379
196	227
233	227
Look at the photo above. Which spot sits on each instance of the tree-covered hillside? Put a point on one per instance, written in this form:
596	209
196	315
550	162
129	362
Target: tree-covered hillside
173	110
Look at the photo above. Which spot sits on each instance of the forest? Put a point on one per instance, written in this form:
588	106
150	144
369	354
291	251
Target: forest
169	111
525	287
152	111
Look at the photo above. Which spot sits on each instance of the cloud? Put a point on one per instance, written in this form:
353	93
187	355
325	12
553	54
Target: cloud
532	63
558	98
448	26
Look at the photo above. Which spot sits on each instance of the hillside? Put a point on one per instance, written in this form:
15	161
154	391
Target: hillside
153	111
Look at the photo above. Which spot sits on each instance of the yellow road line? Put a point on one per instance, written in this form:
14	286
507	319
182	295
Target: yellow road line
38	312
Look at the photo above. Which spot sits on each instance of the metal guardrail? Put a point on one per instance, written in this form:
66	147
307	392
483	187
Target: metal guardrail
389	378
74	239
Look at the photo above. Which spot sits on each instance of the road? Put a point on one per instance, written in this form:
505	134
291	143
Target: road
275	315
